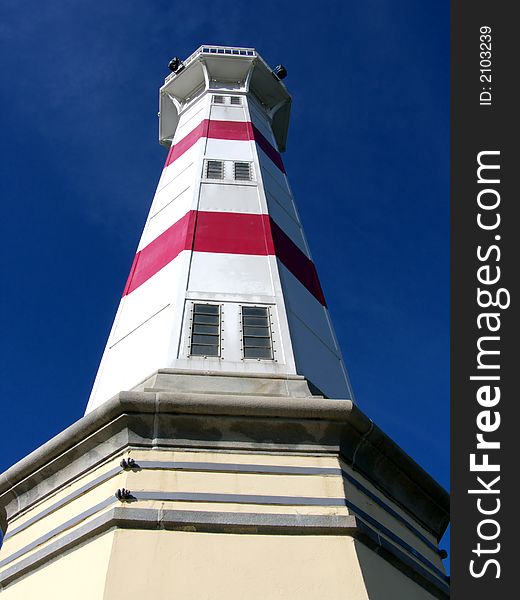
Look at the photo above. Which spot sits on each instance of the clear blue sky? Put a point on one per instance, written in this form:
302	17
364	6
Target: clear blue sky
367	158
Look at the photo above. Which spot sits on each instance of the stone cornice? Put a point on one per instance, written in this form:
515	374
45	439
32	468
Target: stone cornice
227	422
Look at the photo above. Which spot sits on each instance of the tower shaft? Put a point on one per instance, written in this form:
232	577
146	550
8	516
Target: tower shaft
223	280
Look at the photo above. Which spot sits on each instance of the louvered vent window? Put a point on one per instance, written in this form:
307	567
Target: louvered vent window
219	99
236	100
256	332
205	330
243	171
215	169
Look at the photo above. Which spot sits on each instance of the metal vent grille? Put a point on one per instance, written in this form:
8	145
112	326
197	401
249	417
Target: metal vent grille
219	100
256	332
215	169
243	171
236	100
205	330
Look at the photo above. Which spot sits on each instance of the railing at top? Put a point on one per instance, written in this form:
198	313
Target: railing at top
227	50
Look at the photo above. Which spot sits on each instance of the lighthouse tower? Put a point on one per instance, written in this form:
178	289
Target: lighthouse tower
221	454
223	280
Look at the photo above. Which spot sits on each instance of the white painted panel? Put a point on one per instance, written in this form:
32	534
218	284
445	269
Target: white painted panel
213	365
177	185
223	297
190	120
181	163
221	197
229	149
288	225
300	302
278	190
193	108
170	214
146	300
275	195
315	361
134	358
268	167
230	273
262	123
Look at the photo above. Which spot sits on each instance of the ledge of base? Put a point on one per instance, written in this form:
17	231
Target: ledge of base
231	523
241	384
233	422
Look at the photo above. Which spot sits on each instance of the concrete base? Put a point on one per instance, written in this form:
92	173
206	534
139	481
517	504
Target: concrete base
206	382
221	488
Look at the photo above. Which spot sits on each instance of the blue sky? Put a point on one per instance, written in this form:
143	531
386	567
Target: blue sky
367	158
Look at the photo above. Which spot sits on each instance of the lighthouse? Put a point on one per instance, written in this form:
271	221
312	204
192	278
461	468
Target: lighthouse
223	280
222	454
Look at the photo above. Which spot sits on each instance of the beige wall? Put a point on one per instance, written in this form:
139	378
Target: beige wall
384	582
77	575
98	493
362	501
166	565
182	565
209	566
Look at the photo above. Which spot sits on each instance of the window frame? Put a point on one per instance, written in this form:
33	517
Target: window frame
193	324
226	100
228	171
249	170
251	325
222	163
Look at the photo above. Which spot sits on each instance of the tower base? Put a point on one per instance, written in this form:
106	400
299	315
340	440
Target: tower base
243	487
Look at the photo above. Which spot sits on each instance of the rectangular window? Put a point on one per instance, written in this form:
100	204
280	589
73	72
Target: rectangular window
205	330
243	171
256	332
236	100
215	169
218	99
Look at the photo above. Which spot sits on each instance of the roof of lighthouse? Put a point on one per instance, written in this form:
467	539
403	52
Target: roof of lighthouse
223	68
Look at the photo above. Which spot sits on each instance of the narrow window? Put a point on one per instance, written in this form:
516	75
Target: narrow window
205	330
214	169
243	171
218	100
236	100
256	332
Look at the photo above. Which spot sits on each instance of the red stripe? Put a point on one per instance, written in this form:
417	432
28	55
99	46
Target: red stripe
224	233
300	265
225	130
187	142
233	233
151	259
230	130
266	147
